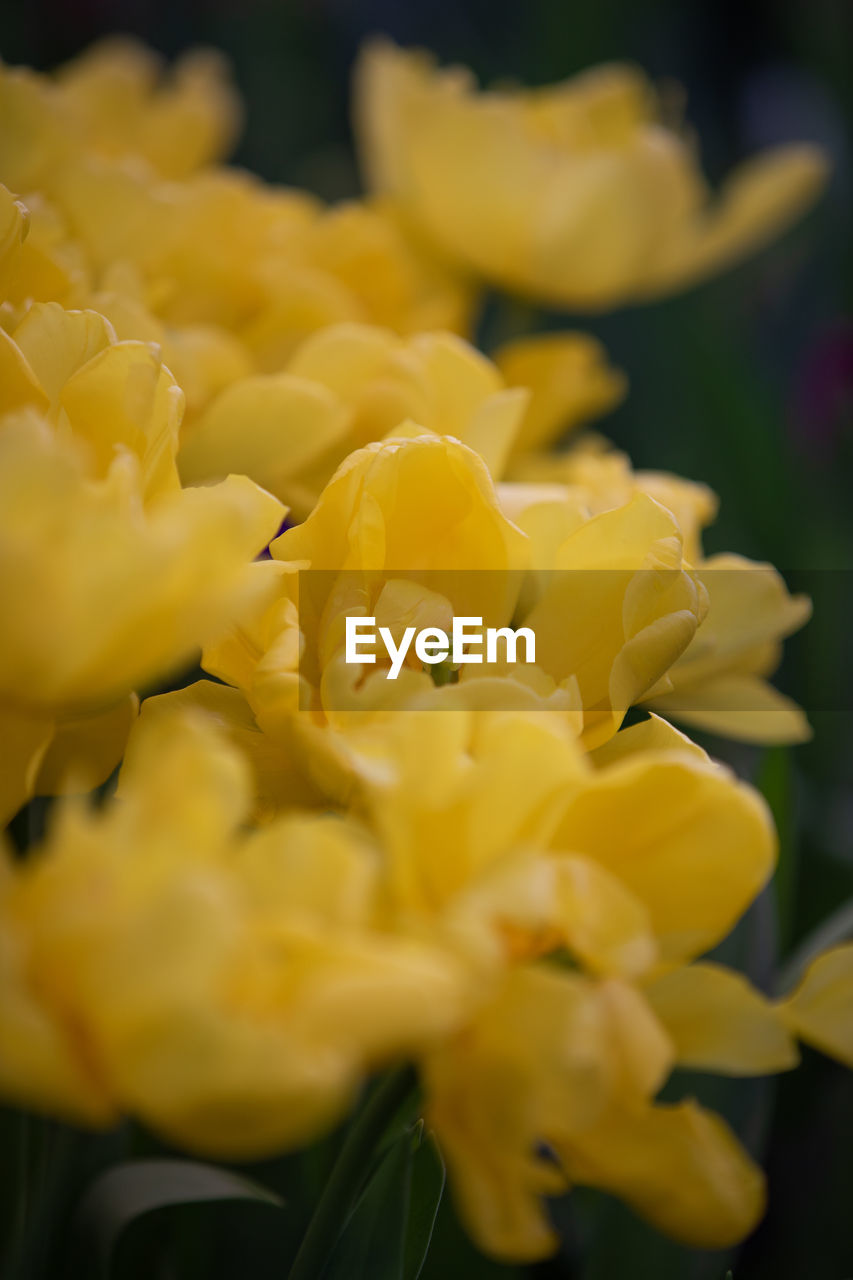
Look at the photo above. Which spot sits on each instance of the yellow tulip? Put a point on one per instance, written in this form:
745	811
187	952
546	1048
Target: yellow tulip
111	396
345	387
622	572
103	595
578	195
720	682
121	104
422	508
529	1077
227	988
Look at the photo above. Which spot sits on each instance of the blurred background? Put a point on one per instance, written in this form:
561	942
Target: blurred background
745	383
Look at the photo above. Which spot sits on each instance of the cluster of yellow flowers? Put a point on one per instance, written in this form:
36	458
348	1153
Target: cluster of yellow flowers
308	872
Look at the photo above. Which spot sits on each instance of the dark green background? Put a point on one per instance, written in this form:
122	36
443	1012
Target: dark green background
745	383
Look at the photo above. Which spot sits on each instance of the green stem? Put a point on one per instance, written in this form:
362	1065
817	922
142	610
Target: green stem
348	1173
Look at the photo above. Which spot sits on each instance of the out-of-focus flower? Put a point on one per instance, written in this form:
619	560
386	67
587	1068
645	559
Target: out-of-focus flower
606	871
112	102
577	195
228	988
122	103
101	594
553	1086
345	387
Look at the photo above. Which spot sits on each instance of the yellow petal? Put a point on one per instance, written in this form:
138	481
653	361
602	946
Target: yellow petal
606	926
84	752
651	735
758	201
720	1023
821	1009
742	707
570	381
267	427
38	1066
18	384
679	1166
56	343
533	1058
125	397
694	845
622	569
278	780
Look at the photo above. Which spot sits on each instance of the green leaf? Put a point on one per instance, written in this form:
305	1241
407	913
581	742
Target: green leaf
372	1245
428	1179
127	1191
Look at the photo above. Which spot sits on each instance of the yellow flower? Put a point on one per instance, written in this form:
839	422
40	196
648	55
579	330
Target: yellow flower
101	594
111	397
577	195
553	1085
421	508
347	386
536	1067
654	850
110	102
614	607
122	104
720	682
515	848
227	988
